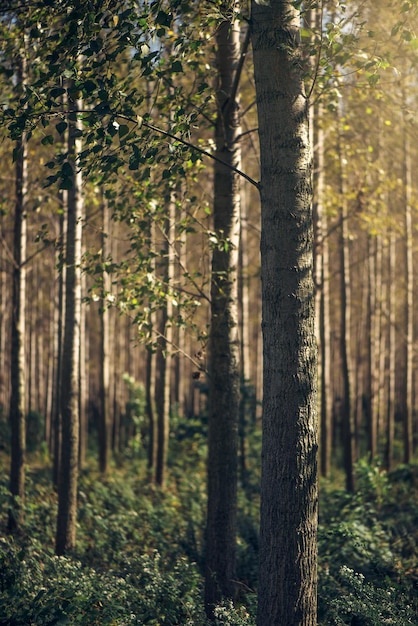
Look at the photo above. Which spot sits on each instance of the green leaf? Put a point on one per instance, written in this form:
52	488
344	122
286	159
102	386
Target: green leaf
163	18
48	140
123	130
56	92
177	66
61	127
67	170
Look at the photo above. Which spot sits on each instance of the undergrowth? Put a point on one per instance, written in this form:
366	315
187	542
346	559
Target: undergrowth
140	552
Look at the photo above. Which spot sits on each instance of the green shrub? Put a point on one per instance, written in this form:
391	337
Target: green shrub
347	599
41	589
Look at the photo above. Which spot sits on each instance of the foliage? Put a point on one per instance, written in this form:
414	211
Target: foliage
140	555
367	543
38	588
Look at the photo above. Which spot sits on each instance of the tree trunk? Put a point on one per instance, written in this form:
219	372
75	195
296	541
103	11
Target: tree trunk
104	383
56	416
288	516
390	426
18	338
224	375
407	390
347	405
83	385
322	296
163	356
245	361
68	478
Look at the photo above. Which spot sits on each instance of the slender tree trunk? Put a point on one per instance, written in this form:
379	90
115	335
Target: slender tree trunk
245	361
18	337
407	391
224	375
83	386
347	406
150	408
104	384
390	434
163	356
56	417
68	479
322	296
288	515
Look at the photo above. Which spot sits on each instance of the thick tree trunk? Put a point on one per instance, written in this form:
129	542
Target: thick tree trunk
68	478
288	524
224	375
18	339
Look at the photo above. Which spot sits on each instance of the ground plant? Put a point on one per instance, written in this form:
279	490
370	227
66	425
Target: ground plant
140	554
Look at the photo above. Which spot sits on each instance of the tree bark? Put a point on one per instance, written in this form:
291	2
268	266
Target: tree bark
165	340
18	337
288	516
224	375
60	315
68	478
104	373
347	405
407	390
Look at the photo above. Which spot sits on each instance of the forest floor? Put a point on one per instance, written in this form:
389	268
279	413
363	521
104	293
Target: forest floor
140	551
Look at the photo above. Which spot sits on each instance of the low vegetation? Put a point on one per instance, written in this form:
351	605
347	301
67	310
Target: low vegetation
140	552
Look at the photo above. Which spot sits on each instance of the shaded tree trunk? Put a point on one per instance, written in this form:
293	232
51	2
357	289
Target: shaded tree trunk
288	515
224	375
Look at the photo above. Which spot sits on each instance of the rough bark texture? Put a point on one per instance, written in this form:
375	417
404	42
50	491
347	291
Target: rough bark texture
288	524
67	492
18	357
224	341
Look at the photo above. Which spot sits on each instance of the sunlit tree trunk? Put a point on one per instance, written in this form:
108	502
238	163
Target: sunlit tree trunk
83	386
104	366
322	295
245	360
68	477
288	516
4	321
59	333
347	404
224	375
390	433
407	388
164	347
18	337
